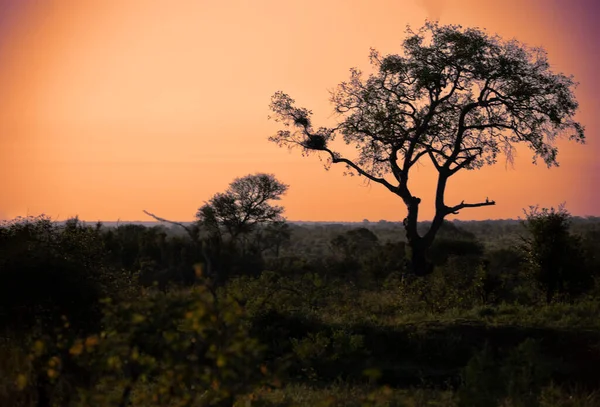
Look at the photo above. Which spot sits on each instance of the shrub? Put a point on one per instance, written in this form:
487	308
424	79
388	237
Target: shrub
183	346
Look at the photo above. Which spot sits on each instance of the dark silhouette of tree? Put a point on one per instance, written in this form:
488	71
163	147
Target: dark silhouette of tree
458	97
227	221
233	220
555	255
244	206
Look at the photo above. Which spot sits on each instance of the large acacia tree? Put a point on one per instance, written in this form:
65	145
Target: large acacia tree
457	97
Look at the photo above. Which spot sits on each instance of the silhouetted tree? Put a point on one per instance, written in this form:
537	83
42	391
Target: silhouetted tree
232	219
225	222
555	254
244	206
458	97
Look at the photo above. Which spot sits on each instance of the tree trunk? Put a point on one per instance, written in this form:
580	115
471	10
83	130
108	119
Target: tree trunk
417	245
419	265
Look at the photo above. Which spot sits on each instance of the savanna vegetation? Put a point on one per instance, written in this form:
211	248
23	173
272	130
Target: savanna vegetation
241	307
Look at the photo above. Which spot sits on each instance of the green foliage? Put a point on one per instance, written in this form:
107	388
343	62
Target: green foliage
519	377
274	292
461	283
328	352
442	249
48	270
180	348
329	326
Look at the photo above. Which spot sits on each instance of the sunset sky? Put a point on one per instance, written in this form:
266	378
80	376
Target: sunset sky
110	107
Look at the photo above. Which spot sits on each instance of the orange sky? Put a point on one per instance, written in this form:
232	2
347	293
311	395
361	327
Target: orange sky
109	107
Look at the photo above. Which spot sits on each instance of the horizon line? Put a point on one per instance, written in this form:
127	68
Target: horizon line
589	217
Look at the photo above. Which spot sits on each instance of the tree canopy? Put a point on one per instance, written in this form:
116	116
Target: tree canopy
244	205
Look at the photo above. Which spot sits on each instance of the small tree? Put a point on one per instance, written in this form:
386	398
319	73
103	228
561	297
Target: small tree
554	253
458	97
230	217
244	206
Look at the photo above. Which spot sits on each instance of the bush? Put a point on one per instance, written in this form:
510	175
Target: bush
518	377
554	254
180	347
47	270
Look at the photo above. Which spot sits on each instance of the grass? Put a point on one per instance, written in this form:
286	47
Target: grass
343	395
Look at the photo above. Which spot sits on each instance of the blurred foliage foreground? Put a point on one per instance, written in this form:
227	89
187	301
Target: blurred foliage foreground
97	316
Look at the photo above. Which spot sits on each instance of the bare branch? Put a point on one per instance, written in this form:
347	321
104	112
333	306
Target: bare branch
187	228
416	158
335	159
467	161
434	160
398	174
454	209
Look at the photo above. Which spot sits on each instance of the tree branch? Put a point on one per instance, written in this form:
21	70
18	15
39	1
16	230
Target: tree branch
454	209
454	86
188	229
500	126
382	181
398	174
416	158
335	160
433	159
467	161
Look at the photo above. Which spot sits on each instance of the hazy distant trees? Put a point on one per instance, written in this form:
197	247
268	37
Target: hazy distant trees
273	237
456	97
355	242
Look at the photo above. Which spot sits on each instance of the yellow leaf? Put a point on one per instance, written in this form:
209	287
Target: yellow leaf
21	382
76	349
220	361
114	362
39	347
54	362
91	341
138	318
198	270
